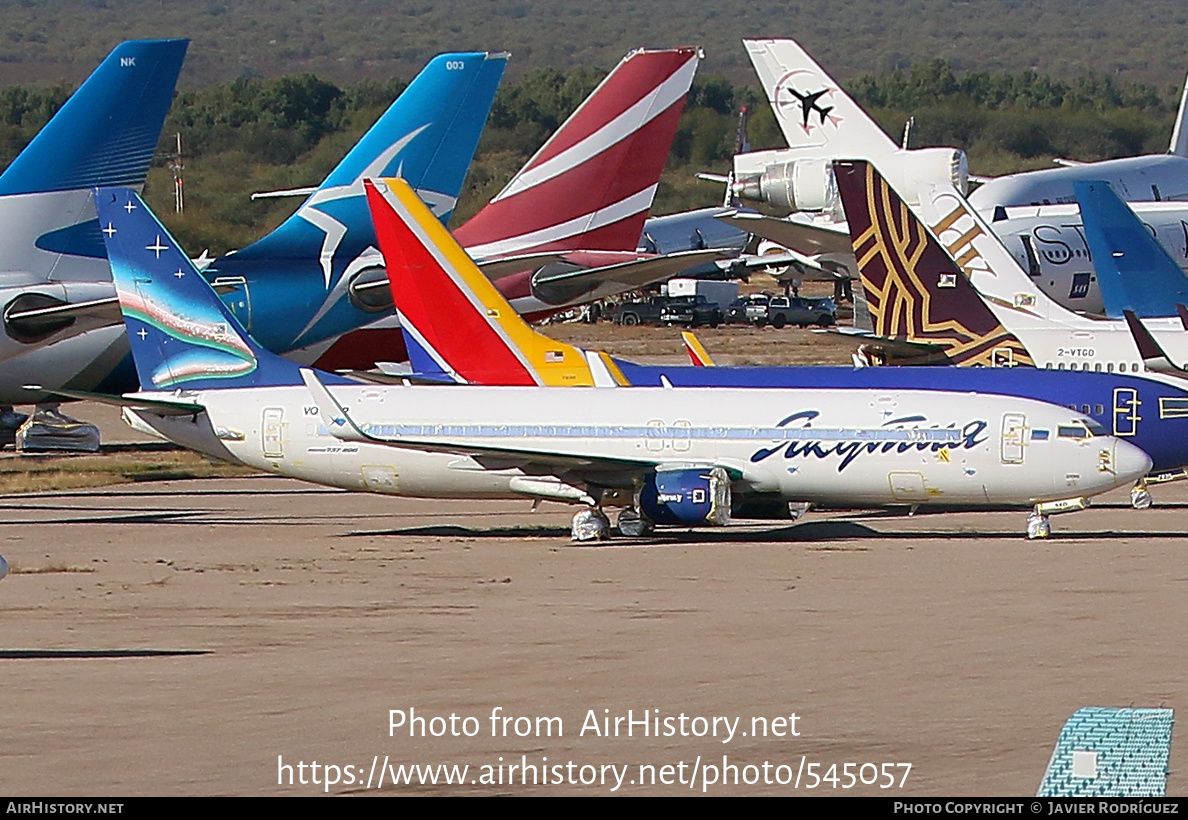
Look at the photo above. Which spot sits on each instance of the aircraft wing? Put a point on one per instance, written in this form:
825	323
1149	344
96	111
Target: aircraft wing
896	348
502	266
809	239
636	273
805	267
159	407
340	424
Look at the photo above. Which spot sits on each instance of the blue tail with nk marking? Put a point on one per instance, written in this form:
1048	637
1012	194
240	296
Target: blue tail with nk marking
105	134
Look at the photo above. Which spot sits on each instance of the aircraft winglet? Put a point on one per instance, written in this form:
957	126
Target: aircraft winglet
1104	752
697	352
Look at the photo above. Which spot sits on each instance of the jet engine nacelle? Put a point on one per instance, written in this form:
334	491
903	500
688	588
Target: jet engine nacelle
809	185
799	185
940	166
692	497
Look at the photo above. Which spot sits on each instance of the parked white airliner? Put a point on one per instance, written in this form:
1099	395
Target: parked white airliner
667	455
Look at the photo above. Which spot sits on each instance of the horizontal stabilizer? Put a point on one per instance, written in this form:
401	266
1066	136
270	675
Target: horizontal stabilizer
158	407
503	266
636	273
808	239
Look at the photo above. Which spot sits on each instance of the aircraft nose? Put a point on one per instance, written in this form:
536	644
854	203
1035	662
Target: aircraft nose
1130	462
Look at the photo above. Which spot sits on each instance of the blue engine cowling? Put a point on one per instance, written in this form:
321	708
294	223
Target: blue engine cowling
692	497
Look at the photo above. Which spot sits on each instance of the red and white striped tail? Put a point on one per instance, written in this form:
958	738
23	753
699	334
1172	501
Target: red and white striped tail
591	185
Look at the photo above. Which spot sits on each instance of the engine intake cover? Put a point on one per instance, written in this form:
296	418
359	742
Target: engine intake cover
692	497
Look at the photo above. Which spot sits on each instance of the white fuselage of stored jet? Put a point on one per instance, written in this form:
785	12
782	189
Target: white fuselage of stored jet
1049	243
839	447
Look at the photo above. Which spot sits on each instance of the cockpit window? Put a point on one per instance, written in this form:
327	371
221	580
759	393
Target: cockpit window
1072	431
1095	427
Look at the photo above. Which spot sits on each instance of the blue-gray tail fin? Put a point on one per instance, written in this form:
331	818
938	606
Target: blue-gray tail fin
1134	271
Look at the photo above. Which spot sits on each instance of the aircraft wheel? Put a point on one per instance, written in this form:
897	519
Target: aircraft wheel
1038	526
633	524
590	524
1140	497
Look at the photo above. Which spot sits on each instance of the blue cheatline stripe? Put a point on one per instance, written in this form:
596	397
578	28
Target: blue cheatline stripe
397	431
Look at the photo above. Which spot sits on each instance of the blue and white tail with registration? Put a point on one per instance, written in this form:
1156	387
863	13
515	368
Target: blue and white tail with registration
182	335
105	134
427	137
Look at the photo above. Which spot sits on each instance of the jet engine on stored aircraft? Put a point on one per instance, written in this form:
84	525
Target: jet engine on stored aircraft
808	184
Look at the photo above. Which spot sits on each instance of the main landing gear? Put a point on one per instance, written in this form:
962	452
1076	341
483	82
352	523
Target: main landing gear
590	524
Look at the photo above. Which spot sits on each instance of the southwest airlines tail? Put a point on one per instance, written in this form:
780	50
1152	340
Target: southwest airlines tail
105	134
591	185
915	289
1105	752
1134	271
182	335
428	136
455	322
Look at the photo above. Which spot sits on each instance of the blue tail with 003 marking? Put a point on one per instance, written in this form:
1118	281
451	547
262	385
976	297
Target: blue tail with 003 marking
427	137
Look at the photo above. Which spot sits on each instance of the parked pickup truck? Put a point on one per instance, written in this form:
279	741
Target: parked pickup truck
795	310
646	312
691	311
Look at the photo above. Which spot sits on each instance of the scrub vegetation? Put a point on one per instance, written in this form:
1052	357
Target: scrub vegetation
274	92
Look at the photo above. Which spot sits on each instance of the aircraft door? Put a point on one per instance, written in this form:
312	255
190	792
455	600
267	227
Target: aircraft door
1014	432
272	432
655	435
1126	415
681	436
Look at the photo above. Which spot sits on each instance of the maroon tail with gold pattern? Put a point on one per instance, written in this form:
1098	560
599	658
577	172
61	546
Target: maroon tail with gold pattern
916	292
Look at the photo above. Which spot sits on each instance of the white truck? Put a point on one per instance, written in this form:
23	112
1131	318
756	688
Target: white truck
722	294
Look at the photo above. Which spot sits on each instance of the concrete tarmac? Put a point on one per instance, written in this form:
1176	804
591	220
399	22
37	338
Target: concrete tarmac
220	636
